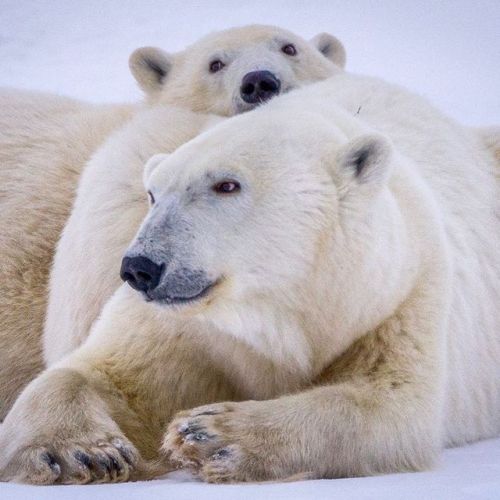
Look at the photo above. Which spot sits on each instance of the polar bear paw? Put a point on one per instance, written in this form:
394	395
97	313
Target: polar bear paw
220	443
107	460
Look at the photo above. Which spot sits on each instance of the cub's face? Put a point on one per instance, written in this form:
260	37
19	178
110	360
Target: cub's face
244	210
234	71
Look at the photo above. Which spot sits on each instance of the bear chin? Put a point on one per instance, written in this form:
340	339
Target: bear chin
166	300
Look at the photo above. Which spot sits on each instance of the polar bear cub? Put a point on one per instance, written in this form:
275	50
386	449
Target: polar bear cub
326	264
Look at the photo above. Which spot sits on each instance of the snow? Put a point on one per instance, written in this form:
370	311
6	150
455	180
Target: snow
468	473
448	51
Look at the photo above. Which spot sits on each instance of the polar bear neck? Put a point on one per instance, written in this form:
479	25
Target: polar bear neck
273	331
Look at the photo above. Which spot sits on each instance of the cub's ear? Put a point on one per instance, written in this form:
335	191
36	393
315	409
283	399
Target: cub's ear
150	67
151	166
364	161
331	48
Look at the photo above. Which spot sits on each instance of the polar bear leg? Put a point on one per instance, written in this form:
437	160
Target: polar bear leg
379	413
99	414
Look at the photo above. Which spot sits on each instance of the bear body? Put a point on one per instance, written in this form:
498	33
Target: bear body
338	284
44	143
47	140
108	208
183	80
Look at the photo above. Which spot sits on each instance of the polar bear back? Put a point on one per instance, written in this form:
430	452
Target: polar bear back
463	178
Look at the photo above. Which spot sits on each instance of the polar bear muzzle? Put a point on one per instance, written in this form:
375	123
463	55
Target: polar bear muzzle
177	287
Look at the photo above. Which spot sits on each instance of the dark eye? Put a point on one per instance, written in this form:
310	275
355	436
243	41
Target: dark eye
226	187
151	198
289	49
216	66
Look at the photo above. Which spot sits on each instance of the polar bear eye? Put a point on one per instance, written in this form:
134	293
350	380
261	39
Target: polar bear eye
216	66
151	198
289	49
226	187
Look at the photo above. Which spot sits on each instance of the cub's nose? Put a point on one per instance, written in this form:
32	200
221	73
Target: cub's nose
259	86
141	273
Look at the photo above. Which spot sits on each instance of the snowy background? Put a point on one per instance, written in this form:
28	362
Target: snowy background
448	51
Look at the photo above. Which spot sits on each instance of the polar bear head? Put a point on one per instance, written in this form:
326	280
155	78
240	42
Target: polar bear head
264	223
233	71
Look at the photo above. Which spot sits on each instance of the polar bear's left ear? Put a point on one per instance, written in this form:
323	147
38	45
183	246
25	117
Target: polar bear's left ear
331	48
364	161
150	67
151	166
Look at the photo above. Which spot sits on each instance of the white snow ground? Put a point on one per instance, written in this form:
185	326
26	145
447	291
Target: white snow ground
448	51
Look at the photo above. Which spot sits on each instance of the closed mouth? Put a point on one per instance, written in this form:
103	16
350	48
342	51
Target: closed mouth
171	301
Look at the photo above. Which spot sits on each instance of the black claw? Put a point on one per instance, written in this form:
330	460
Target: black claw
208	412
197	436
105	463
116	464
127	455
190	428
222	453
83	458
50	460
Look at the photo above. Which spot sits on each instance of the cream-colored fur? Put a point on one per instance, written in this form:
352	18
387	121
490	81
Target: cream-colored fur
45	143
86	274
353	311
491	137
109	207
184	79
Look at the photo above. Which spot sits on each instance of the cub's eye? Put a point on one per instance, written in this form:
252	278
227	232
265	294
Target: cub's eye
151	198
289	49
216	66
226	187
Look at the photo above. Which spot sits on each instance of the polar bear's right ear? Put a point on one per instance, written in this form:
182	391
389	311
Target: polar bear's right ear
364	162
331	48
151	166
150	67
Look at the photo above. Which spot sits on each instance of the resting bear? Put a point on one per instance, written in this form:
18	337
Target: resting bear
44	142
47	140
320	275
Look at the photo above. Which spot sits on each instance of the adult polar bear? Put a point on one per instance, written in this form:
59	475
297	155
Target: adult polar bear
228	73
351	259
47	140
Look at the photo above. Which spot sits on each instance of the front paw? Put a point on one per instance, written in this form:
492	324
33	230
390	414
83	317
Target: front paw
224	442
109	458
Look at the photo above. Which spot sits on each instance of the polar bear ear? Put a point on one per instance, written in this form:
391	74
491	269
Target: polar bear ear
151	166
150	67
365	161
331	48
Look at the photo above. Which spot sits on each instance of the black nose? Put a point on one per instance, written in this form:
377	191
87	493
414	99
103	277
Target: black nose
259	86
141	273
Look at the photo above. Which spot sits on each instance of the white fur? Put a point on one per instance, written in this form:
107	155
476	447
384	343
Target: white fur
356	281
438	216
86	265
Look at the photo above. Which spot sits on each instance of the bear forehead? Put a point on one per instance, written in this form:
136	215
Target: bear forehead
242	36
284	145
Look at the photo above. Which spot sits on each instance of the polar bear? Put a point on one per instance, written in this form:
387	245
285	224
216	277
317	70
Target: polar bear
47	140
232	71
44	142
315	285
254	64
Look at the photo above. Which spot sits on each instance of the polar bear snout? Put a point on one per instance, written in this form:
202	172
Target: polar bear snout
259	86
178	286
141	273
